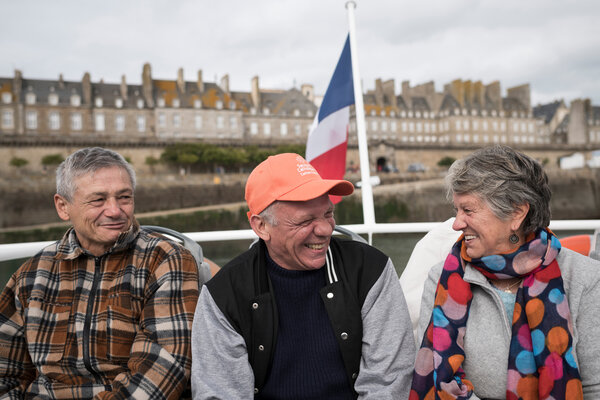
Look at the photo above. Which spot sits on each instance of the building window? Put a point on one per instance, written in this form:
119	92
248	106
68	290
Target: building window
99	122
515	127
393	126
30	98
220	122
53	99
484	125
253	128
197	103
6	97
233	123
75	100
119	102
176	103
297	130
404	126
283	129
266	111
466	125
267	128
76	121
54	121
98	102
419	127
31	120
177	120
232	105
198	122
219	105
384	126
141	123
140	105
160	102
7	119
120	123
162	120
475	125
374	125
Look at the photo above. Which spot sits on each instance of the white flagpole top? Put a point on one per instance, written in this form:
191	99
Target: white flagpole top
363	151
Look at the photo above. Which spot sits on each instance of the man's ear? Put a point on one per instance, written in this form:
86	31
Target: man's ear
519	216
62	207
259	226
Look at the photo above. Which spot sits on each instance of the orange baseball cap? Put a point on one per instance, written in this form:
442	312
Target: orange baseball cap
289	177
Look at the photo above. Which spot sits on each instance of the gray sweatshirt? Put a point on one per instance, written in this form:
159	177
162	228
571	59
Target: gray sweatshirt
488	333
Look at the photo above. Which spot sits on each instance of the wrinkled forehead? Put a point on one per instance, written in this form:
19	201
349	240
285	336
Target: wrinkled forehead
94	181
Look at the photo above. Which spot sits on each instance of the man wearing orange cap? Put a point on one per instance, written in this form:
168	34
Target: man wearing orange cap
301	314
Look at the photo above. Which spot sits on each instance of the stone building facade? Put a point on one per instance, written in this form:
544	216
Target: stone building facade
159	112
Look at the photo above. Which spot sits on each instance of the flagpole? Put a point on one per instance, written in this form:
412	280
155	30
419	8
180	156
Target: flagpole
363	152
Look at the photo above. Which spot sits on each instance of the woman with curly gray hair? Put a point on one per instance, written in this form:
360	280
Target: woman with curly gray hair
509	314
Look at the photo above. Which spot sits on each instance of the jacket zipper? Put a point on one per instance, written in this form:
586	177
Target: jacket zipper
88	320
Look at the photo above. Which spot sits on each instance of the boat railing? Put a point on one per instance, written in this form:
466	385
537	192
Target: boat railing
13	251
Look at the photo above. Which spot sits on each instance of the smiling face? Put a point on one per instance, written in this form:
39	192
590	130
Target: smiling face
300	239
101	208
485	233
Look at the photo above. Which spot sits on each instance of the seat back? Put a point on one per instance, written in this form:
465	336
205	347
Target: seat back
204	273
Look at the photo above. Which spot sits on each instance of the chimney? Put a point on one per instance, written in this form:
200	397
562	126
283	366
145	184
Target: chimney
180	81
308	91
492	91
147	85
61	82
225	83
389	87
200	82
123	88
456	89
255	94
578	128
479	94
378	93
521	93
86	88
406	93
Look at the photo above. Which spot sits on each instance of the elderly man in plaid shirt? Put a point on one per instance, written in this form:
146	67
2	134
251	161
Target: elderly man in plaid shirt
106	312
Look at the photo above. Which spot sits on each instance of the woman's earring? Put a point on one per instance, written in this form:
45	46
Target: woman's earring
514	239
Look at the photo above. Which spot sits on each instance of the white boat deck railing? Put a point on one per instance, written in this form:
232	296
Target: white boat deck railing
15	251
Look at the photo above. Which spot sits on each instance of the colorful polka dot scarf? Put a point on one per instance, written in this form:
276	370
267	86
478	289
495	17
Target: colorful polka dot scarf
541	364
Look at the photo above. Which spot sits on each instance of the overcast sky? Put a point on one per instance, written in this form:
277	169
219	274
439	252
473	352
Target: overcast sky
552	44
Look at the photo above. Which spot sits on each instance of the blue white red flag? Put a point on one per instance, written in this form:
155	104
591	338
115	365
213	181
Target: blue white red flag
328	136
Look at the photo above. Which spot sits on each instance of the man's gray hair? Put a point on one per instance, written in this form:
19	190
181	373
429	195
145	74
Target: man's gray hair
268	214
504	179
85	161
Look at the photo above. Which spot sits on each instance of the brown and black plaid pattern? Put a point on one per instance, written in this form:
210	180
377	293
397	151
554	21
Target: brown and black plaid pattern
75	326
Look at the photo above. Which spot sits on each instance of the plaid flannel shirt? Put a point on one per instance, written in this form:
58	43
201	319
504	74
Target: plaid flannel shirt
116	326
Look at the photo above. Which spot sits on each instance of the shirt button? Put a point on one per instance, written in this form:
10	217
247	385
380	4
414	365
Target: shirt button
261	347
255	305
330	295
255	390
344	336
354	375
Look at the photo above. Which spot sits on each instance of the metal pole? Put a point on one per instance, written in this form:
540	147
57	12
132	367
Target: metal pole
363	151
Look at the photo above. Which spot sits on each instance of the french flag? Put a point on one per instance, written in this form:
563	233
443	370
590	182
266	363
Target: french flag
328	136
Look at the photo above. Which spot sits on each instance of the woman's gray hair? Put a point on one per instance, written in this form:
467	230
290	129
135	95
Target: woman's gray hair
504	179
85	161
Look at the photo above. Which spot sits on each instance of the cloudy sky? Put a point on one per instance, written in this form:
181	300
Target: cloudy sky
552	44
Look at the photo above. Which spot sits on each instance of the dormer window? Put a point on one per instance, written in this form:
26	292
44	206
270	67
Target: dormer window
119	102
232	105
266	111
30	98
219	105
296	113
53	99
140	103
373	113
310	113
473	112
6	97
98	102
382	113
176	103
197	103
418	114
403	114
160	102
75	100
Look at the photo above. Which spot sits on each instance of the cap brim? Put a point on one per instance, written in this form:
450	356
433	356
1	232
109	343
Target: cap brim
313	189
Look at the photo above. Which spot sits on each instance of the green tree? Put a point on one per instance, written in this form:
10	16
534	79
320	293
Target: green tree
151	161
52	159
18	162
187	159
446	161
